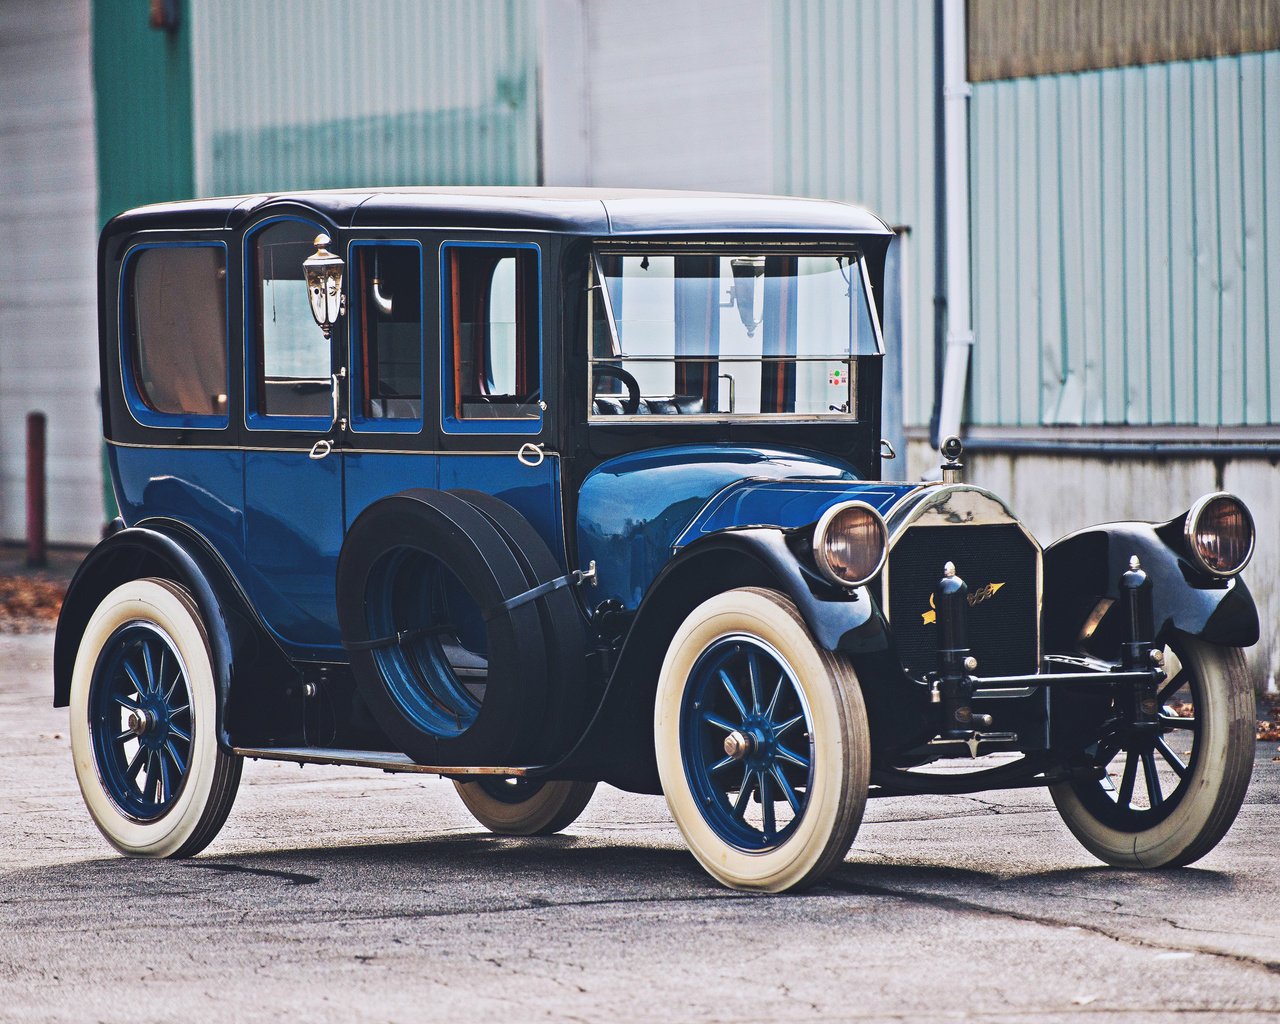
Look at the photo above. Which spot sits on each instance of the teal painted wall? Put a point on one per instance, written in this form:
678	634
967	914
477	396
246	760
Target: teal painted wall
394	93
1126	246
142	89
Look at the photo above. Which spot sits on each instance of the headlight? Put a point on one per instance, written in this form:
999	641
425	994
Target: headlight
850	543
1220	534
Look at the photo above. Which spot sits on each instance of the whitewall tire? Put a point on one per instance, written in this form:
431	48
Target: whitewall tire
762	743
144	723
519	807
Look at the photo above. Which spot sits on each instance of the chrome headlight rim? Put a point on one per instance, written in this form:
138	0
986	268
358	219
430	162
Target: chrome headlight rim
820	538
1193	521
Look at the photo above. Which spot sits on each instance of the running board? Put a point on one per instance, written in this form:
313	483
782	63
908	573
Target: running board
385	760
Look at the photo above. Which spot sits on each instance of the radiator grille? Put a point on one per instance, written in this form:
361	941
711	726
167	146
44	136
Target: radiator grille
1002	621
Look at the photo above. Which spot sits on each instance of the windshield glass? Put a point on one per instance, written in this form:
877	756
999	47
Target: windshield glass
728	335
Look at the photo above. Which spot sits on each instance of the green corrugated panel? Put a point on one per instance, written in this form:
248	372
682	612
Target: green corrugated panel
142	93
853	120
394	93
1126	245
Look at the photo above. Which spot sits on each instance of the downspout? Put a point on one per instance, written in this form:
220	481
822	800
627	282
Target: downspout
955	115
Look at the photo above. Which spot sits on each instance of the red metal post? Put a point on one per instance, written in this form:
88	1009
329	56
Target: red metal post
37	554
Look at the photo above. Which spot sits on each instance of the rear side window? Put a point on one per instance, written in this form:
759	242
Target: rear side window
176	370
386	289
492	354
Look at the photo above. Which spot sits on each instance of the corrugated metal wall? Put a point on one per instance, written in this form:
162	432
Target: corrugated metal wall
853	120
48	302
293	94
1126	245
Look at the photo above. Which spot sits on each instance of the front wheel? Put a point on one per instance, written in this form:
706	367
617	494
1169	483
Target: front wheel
762	743
1169	794
144	724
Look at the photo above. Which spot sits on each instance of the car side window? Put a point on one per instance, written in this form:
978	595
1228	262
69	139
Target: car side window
292	358
175	370
493	338
386	331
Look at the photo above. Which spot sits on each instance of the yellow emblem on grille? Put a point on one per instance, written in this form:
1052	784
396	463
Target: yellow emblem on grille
977	597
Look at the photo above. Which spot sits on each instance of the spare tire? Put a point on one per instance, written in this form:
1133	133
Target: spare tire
416	576
567	700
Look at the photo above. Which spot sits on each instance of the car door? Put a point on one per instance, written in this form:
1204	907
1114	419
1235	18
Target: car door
293	474
391	442
494	428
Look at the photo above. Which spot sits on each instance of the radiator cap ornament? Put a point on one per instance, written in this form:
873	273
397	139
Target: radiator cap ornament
951	450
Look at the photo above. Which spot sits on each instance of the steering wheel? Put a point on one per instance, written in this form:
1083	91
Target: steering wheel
632	405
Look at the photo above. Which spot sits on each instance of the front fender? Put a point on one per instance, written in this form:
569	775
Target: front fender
140	552
618	744
839	619
1084	568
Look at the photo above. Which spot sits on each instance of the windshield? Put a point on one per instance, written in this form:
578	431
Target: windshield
749	334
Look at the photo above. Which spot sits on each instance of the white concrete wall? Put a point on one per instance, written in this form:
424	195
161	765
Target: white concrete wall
1054	495
48	236
662	94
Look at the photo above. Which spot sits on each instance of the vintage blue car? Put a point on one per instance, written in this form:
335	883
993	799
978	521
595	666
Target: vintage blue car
542	488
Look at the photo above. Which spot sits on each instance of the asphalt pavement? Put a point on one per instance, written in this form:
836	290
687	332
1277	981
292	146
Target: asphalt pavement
345	895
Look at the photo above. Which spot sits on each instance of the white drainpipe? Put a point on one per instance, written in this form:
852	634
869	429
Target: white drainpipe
955	92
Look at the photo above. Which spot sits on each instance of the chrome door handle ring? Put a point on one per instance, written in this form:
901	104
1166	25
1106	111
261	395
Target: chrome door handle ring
320	449
527	452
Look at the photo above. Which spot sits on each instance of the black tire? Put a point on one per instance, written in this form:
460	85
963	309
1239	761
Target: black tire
1182	809
401	555
561	624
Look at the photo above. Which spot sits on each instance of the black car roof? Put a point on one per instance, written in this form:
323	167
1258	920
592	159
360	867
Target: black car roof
589	211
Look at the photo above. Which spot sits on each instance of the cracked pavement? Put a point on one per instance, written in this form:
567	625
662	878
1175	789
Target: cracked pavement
339	894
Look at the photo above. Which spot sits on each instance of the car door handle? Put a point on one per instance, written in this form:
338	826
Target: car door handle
531	454
320	449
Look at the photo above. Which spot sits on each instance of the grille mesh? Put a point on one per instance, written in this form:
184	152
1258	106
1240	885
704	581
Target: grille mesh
1002	626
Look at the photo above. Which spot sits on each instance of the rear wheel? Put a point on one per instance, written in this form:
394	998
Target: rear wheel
762	743
1170	793
144	724
524	807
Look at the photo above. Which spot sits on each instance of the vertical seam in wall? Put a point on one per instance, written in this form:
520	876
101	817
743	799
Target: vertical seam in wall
1039	265
1169	243
1146	243
1102	251
1221	289
1064	370
1266	255
1124	256
1195	229
1244	247
996	256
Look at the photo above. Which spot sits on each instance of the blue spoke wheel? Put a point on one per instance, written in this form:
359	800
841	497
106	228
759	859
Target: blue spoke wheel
747	743
143	723
1169	792
762	743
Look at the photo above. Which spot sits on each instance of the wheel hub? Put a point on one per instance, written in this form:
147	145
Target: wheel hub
142	722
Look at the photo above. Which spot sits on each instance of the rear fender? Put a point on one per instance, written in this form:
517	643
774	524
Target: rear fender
1083	570
169	551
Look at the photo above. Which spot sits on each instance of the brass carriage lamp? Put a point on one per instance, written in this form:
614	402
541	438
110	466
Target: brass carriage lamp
324	284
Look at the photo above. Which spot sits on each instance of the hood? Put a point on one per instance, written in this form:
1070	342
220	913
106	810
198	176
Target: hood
636	511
